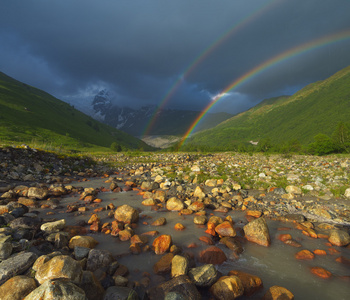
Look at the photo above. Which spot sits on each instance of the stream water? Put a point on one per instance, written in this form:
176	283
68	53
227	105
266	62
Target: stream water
275	265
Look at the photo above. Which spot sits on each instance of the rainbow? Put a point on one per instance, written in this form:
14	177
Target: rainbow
317	43
203	55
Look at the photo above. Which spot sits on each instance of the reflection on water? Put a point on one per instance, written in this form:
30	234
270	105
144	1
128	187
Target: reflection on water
275	265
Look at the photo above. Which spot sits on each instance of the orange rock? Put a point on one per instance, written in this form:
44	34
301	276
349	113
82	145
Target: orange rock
83	209
98	209
192	245
328	244
225	229
163	266
179	227
95	226
321	272
320	252
333	251
94	218
283	228
151	233
135	249
139	239
75	230
42	206
251	283
98	200
284	237
310	232
304	255
322	236
211	229
206	240
278	293
292	243
212	255
343	260
162	244
254	213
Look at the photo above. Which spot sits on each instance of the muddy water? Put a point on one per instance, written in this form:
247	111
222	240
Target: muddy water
275	265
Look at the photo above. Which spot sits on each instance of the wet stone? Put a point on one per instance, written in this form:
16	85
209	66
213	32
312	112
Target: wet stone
203	276
17	288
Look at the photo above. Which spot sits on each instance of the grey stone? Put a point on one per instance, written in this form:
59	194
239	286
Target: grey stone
16	264
99	259
120	293
204	275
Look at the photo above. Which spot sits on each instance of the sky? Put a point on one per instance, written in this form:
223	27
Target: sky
174	54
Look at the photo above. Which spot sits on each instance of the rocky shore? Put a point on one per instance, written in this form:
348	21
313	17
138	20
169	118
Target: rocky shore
45	258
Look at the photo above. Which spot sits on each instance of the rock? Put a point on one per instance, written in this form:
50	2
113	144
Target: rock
321	272
347	193
339	238
53	226
257	232
163	265
61	266
57	289
126	214
81	252
5	247
82	241
25	223
278	293
120	293
38	193
292	189
179	227
200	220
149	186
196	206
251	283
232	244
298	218
203	276
198	192
174	204
16	264
159	222
225	229
254	213
304	255
212	255
179	266
149	202
16	288
180	285
162	244
91	286
227	287
120	280
98	259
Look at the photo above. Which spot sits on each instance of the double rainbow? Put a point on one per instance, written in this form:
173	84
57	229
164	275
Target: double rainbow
317	43
204	54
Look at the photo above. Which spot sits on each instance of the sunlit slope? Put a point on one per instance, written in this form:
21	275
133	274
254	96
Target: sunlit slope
317	108
30	115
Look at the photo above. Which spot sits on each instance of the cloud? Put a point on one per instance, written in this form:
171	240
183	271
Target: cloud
139	49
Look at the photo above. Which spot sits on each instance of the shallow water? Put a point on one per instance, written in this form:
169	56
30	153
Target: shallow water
275	265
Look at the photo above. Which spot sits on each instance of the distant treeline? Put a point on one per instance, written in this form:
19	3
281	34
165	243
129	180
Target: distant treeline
323	144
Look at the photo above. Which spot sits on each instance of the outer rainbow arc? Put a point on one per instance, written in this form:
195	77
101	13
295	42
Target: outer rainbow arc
267	64
204	54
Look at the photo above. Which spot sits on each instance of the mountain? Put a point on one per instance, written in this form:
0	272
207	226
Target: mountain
315	109
29	115
167	122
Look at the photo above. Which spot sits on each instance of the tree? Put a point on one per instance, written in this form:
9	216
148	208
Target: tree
323	145
341	137
116	147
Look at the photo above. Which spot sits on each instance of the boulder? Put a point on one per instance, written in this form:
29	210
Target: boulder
198	192
61	266
251	283
159	222
16	288
57	289
292	189
5	247
120	293
38	193
225	229
174	204
277	292
82	241
227	287
126	214
16	265
212	255
339	238
178	286
98	259
179	266
91	286
163	265
257	232
53	226
162	244
203	276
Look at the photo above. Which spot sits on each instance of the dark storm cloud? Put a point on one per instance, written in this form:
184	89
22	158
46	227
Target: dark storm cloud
139	49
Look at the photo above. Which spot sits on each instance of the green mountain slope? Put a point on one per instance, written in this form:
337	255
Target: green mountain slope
317	108
30	115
